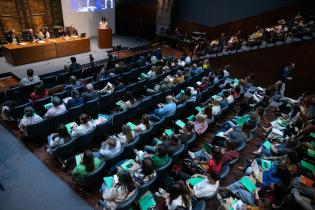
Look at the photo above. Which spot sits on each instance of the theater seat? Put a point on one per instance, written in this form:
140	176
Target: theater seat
85	140
241	146
200	205
124	205
160	171
231	162
224	172
65	151
38	132
177	153
146	186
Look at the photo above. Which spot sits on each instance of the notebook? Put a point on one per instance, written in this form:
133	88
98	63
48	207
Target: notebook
191	117
248	184
180	123
266	164
267	144
131	125
169	132
70	125
146	201
195	180
198	108
307	165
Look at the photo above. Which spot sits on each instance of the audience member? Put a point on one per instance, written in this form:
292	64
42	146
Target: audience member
30	79
56	108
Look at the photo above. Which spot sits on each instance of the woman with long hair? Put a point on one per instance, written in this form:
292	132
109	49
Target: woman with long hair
121	190
88	164
178	196
127	135
144	125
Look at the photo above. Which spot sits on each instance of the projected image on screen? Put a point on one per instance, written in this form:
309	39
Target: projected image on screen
91	5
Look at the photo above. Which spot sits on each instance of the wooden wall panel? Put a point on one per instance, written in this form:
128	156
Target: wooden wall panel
247	25
267	64
21	14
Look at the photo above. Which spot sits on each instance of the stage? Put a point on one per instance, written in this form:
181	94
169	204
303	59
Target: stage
44	67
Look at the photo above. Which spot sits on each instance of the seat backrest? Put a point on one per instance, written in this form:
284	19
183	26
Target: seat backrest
119	118
105	101
111	161
75	112
127	204
65	151
117	95
39	104
177	153
56	120
146	186
85	140
101	130
38	130
18	111
62	94
63	78
162	169
144	136
94	177
91	107
15	93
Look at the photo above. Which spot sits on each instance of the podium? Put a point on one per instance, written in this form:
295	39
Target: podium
105	38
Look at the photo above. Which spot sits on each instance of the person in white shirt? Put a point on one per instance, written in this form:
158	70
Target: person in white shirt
144	125
126	136
84	127
207	187
108	148
57	108
226	71
230	97
178	196
216	108
29	118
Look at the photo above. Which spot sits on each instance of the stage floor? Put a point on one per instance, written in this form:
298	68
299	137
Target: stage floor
44	67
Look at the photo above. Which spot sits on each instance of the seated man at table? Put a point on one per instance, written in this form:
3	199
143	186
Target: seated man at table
30	79
72	31
165	110
29	35
11	38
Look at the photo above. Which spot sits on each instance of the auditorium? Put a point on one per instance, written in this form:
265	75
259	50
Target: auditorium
157	105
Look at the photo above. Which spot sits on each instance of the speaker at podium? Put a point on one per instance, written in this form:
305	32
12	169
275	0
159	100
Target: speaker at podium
105	35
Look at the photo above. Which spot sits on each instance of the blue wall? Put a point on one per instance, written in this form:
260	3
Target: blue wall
217	12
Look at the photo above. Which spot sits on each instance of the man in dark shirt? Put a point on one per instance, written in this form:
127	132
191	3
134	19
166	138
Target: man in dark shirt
12	38
74	66
29	36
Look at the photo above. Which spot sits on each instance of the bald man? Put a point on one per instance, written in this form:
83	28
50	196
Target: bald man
165	110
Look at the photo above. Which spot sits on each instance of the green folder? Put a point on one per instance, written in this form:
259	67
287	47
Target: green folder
236	81
182	91
313	143
180	123
146	201
131	125
47	106
109	181
144	75
195	180
78	159
311	153
242	120
267	144
191	117
266	164
106	117
127	165
234	202
69	126
198	108
307	165
248	184
169	132
118	103
312	134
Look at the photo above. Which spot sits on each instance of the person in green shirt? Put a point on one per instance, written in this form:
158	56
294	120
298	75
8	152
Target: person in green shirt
87	165
160	158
